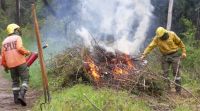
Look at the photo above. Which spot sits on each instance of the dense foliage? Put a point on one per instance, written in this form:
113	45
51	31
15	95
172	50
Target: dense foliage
187	9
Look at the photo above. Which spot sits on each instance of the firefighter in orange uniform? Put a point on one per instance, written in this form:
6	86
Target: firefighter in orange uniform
13	59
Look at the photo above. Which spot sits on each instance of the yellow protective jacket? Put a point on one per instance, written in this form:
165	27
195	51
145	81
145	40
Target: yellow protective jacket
172	44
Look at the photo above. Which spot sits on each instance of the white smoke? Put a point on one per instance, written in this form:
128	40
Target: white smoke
87	38
127	20
115	24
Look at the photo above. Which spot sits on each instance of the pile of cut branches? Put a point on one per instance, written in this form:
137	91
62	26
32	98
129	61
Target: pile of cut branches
72	66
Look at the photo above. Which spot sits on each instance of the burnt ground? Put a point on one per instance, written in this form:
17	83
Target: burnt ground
6	97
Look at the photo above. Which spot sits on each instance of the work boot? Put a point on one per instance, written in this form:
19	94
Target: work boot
178	87
16	95
21	97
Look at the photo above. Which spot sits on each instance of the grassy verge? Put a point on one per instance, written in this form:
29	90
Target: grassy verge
35	76
183	108
76	99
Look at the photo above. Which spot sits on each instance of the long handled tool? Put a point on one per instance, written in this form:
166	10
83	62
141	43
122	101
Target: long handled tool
42	65
177	69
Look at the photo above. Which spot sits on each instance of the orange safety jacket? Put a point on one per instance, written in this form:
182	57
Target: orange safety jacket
13	53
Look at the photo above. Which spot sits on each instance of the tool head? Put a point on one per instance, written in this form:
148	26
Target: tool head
45	46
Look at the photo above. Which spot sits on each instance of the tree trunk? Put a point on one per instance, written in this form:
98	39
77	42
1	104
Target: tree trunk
18	12
3	5
169	17
198	24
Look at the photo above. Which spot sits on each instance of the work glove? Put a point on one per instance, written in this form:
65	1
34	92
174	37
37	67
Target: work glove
183	56
29	53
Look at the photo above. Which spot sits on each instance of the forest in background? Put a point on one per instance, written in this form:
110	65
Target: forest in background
186	23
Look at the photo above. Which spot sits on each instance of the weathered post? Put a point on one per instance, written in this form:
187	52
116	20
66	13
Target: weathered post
40	53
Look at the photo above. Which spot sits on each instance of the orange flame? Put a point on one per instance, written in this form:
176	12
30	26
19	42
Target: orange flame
121	65
118	70
128	61
124	59
93	69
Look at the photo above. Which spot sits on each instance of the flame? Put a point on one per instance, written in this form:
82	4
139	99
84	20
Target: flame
118	70
93	69
123	65
129	62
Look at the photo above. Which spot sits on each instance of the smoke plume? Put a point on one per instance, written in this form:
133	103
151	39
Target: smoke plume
115	24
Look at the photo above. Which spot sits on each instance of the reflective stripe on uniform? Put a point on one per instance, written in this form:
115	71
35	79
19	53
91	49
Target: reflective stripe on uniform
178	78
16	88
25	85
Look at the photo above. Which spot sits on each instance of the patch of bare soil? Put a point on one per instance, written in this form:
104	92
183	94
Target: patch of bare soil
6	97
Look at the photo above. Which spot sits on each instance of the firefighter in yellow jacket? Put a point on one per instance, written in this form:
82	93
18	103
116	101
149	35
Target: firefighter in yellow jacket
13	58
169	44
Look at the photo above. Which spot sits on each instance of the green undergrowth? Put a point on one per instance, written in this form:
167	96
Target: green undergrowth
5	75
86	98
183	108
35	76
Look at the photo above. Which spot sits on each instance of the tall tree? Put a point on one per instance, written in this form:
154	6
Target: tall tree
18	21
169	17
198	23
3	5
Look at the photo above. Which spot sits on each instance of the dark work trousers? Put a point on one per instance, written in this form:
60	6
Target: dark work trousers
173	61
20	77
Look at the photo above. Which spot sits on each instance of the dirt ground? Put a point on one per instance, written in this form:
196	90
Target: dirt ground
6	97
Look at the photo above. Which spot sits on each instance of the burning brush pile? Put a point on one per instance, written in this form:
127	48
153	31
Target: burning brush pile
111	68
102	68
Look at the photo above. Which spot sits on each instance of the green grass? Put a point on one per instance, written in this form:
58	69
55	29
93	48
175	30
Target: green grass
35	76
183	108
6	75
73	99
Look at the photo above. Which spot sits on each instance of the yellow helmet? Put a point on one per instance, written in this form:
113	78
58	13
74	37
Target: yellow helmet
160	31
11	28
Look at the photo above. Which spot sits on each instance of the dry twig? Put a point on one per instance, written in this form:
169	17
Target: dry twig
92	102
151	73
